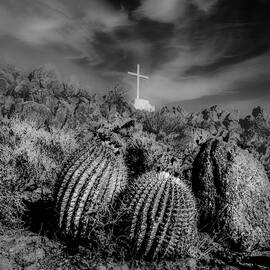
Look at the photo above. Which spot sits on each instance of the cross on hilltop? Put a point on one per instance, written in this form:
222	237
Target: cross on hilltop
141	104
138	75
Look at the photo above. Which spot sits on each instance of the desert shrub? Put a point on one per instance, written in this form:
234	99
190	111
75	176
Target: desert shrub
145	153
162	123
115	100
30	160
255	136
43	151
10	199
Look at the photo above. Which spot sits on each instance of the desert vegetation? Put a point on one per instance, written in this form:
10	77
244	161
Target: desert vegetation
88	182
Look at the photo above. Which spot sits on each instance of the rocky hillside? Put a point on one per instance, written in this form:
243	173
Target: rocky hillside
216	156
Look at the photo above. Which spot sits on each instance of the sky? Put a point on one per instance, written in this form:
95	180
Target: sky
197	53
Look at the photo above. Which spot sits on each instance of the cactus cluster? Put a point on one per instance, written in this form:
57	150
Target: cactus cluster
162	214
89	182
160	209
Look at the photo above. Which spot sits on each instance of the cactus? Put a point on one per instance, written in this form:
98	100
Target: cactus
162	213
89	182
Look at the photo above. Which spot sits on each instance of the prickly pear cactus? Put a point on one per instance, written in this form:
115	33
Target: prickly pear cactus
163	215
89	182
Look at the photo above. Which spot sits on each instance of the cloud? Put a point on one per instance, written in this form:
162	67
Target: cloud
163	11
192	49
239	81
171	11
63	33
205	5
58	22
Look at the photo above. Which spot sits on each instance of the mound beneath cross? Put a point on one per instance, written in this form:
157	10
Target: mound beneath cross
233	194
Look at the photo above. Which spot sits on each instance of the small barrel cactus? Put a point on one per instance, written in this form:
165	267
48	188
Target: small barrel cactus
89	182
162	213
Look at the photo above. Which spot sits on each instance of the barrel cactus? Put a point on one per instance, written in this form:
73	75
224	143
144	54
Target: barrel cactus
162	213
90	181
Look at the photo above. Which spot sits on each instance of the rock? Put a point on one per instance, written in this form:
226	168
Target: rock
52	103
143	105
34	256
31	267
3	85
102	267
261	258
36	195
179	111
231	122
9	103
82	112
216	121
195	119
190	139
197	135
5	263
36	112
258	112
233	194
113	266
191	264
57	87
61	115
246	123
211	114
228	267
46	78
40	95
23	90
47	72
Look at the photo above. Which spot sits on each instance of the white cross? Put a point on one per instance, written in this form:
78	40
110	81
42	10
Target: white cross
138	75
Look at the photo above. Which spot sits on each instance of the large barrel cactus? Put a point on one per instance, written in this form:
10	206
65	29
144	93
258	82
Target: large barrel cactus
163	216
89	183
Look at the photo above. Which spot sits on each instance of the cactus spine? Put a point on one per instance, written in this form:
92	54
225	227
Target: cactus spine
163	216
89	182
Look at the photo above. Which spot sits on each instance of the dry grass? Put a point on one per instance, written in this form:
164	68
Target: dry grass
30	159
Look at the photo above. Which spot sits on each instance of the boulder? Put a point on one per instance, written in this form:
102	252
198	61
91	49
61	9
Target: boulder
45	72
246	123
82	112
3	85
231	122
190	138
34	111
211	114
23	90
258	113
40	95
61	115
195	119
233	194
52	103
8	106
56	87
46	77
22	250
143	105
5	263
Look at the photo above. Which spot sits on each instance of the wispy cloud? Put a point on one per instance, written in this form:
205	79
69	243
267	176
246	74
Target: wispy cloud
171	11
169	85
192	49
59	22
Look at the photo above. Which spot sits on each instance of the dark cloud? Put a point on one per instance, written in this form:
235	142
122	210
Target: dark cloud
128	5
241	27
